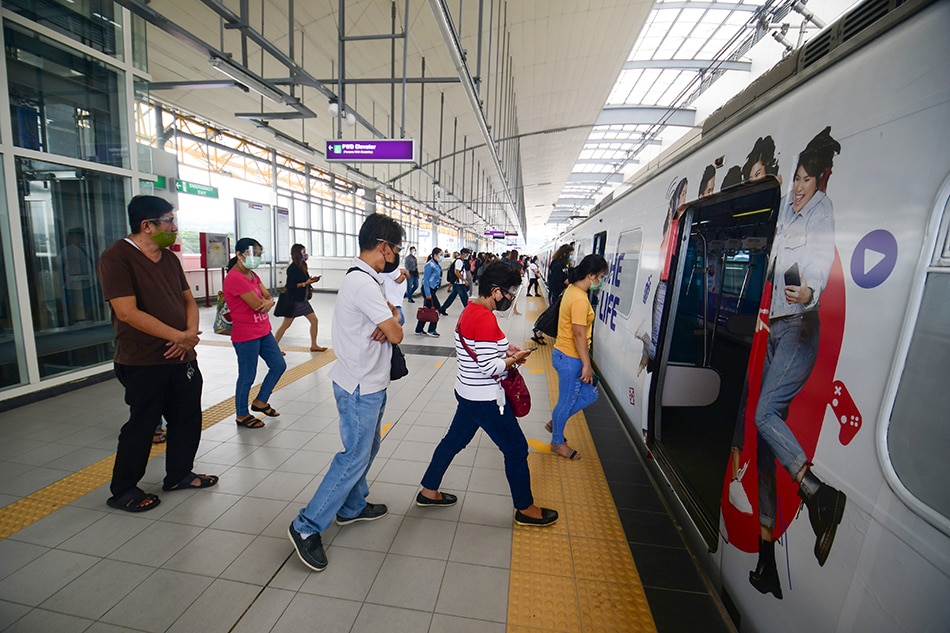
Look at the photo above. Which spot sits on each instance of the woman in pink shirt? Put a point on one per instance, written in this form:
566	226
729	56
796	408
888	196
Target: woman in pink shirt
250	302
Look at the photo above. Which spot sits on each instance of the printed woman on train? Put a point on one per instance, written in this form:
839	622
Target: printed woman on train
802	256
667	249
571	356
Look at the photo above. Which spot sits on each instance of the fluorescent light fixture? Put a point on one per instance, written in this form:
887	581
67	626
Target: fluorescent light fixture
242	76
291	143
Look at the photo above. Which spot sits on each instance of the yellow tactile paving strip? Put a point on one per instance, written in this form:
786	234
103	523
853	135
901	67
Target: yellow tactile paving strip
578	575
45	501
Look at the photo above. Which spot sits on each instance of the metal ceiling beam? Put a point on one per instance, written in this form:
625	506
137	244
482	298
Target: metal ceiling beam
454	47
595	177
699	65
646	115
716	6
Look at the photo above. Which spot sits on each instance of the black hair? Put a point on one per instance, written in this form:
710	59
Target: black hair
296	257
379	227
435	251
498	274
592	264
243	245
143	208
818	155
762	152
708	174
732	178
674	204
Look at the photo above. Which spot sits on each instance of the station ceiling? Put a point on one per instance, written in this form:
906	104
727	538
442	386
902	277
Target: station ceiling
527	111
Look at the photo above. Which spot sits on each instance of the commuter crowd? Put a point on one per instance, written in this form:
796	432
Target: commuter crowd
155	318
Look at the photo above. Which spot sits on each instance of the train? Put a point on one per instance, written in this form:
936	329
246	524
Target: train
774	330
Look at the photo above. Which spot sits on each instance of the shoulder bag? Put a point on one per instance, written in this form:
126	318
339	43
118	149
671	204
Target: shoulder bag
285	305
427	315
222	317
516	391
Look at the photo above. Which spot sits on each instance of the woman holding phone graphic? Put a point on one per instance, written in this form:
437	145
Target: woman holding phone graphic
802	257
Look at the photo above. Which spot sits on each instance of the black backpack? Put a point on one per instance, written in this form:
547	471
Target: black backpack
450	275
548	320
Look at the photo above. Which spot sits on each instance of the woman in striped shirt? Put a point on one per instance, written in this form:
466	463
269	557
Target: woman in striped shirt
484	355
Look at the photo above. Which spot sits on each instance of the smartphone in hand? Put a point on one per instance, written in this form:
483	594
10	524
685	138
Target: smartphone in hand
792	276
314	280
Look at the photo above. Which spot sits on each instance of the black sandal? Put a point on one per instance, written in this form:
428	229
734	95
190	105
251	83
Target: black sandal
539	339
266	410
185	484
131	501
250	422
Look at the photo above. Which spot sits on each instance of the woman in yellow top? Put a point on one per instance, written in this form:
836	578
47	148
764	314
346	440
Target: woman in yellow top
571	356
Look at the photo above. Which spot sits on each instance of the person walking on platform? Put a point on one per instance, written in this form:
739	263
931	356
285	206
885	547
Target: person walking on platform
250	302
412	266
558	271
534	273
298	285
364	328
571	356
484	355
460	275
431	280
155	318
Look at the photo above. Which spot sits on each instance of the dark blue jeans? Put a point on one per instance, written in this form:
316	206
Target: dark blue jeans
503	430
247	353
411	284
458	290
434	303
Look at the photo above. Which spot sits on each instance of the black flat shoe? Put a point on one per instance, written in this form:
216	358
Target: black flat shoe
548	517
446	500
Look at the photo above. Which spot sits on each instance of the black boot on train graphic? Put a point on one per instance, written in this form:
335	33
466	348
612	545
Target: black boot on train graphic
825	509
765	577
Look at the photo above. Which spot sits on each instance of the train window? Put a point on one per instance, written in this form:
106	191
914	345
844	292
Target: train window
918	437
600	243
627	264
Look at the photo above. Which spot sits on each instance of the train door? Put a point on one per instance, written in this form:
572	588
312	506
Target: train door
717	275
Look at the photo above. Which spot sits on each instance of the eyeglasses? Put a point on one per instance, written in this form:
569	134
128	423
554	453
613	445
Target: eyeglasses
396	247
167	219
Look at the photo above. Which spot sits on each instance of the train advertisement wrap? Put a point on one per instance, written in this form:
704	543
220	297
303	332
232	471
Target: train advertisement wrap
757	329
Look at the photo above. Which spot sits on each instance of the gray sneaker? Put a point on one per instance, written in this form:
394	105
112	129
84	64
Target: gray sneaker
371	512
309	550
433	334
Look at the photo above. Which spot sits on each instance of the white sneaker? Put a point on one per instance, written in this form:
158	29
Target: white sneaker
433	334
737	495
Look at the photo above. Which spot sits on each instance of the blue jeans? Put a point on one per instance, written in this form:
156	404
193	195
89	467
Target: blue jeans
791	353
572	393
411	284
247	353
343	490
458	290
503	430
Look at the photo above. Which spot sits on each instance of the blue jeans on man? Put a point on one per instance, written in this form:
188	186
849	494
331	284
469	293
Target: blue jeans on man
458	290
411	285
248	352
790	357
343	490
573	393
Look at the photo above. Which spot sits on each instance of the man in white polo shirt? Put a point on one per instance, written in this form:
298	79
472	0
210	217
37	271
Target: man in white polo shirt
364	328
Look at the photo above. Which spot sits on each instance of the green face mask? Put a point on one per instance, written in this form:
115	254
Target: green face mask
251	262
164	239
597	286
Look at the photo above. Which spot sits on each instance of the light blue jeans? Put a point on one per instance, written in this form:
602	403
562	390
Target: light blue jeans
572	393
247	354
790	357
343	490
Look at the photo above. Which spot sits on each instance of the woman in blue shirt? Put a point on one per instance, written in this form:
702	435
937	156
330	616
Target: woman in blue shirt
431	280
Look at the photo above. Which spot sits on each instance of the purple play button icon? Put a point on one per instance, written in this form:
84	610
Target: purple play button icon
874	258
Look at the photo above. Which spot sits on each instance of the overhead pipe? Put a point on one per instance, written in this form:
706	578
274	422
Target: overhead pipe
455	50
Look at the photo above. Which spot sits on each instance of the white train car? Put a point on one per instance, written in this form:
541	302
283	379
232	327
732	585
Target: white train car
840	226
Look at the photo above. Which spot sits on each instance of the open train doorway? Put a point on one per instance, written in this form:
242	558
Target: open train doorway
717	274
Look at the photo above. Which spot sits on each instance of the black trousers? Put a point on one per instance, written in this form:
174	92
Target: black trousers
153	391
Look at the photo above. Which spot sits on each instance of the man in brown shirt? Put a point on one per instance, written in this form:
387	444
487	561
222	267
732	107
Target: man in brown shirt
155	318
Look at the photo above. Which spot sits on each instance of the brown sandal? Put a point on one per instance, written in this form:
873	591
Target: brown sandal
563	450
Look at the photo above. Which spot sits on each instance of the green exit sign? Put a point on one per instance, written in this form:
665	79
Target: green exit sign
195	189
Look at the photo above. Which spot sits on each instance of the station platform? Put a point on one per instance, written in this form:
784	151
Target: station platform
220	560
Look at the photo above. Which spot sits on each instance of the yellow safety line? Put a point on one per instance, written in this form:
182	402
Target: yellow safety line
577	575
45	501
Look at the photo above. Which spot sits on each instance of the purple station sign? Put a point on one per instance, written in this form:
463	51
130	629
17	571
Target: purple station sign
372	151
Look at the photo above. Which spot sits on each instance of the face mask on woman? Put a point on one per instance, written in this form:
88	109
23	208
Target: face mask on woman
597	285
502	304
304	257
252	261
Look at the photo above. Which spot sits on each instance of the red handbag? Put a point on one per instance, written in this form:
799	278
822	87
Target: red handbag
516	391
427	315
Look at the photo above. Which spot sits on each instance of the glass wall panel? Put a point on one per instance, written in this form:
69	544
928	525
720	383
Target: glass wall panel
315	220
139	43
317	244
9	323
302	237
90	22
327	216
301	214
69	216
329	245
62	102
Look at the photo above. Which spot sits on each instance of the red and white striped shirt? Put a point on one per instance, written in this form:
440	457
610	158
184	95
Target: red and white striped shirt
479	328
